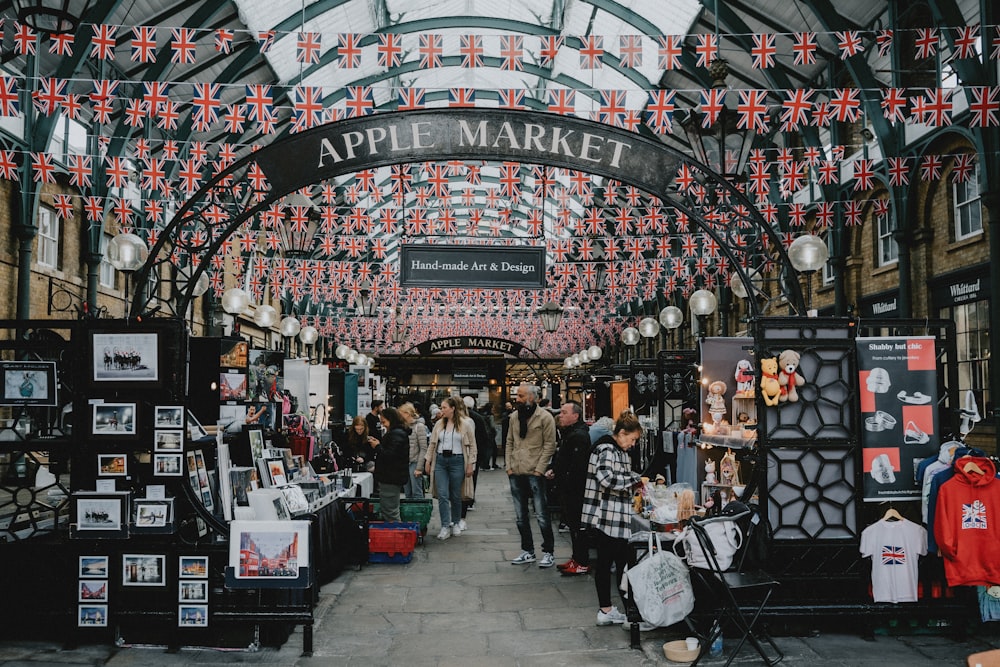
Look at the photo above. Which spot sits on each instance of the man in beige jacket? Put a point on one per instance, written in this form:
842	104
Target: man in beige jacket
531	442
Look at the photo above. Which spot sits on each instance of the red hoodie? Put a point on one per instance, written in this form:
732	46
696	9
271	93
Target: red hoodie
967	524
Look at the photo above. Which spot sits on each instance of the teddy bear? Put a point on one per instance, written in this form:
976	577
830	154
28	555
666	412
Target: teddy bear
770	389
717	400
788	376
744	378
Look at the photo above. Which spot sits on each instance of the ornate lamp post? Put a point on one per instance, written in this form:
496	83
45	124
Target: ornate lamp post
703	304
671	318
808	254
127	253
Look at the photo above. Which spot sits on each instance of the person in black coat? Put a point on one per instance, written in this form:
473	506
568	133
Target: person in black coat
569	470
392	466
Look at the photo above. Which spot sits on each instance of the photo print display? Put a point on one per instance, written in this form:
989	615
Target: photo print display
112	465
232	387
152	513
192	591
264	375
168	441
168	416
168	465
113	420
101	514
192	615
93	590
268	549
233	353
92	616
143	570
125	357
93	567
28	382
193	567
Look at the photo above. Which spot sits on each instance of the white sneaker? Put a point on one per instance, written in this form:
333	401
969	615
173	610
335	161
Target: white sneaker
462	525
613	617
456	530
548	560
445	533
525	558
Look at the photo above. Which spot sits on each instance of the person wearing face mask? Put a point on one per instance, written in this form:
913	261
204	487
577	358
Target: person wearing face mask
607	508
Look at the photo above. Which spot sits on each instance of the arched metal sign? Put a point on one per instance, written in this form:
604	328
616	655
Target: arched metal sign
249	186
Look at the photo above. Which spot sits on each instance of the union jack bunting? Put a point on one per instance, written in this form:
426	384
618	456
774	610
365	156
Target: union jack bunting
630	50
846	104
795	109
307	107
937	107
591	52
669	52
612	107
8	97
471	49
461	97
849	43
930	168
512	53
926	43
410	98
804	48
307	47
389	50
894	105
265	40
984	106
103	42
562	101
430	50
548	49
258	102
966	37
182	46
751	111
62	44
963	168
660	111
864	175
224	40
348	50
206	102
883	40
899	171
763	51
707	49
143	44
25	39
511	98
828	172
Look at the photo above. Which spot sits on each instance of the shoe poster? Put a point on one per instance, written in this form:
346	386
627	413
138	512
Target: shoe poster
898	390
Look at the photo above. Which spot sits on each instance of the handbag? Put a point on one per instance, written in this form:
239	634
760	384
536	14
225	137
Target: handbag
468	488
723	534
661	586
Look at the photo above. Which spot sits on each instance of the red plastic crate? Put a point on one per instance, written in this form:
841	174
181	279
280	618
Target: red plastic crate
391	542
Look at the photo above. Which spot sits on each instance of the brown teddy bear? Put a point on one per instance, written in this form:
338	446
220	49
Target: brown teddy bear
769	386
788	376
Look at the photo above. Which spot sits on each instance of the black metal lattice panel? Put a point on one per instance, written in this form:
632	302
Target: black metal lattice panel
812	493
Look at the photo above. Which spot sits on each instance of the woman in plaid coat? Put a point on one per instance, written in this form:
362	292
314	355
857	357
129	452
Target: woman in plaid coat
607	507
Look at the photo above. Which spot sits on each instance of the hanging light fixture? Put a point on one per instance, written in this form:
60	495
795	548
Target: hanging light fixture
366	300
265	316
235	301
55	17
594	352
630	336
550	314
672	317
290	326
298	228
722	146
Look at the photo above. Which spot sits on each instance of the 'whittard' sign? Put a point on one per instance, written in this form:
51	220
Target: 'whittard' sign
472	266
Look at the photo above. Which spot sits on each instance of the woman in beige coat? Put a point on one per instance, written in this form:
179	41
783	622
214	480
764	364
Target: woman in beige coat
452	456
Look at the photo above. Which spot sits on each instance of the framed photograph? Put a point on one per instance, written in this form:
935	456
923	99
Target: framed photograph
168	441
192	591
276	471
92	616
114	420
232	387
112	465
192	567
264	375
125	356
93	590
153	513
144	570
100	514
28	382
295	499
233	353
256	436
192	615
93	567
268	549
168	465
168	416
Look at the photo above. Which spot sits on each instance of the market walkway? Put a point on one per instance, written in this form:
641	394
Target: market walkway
460	602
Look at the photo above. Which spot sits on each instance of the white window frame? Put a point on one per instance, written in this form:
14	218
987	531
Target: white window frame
106	272
886	248
828	266
48	238
968	208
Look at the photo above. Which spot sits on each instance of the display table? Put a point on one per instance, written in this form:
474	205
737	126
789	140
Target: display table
364	482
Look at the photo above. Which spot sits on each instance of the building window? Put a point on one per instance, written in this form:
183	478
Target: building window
972	331
968	207
106	273
48	238
828	274
887	250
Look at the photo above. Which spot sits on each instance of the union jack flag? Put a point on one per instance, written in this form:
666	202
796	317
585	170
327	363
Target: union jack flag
258	101
143	44
224	40
49	95
62	44
985	106
712	101
591	52
182	46
883	40
845	104
899	171
974	515
471	48
430	49
930	168
549	48
307	107
707	49
348	50
893	555
103	42
562	101
307	47
511	98
265	40
410	98
751	111
894	105
512	53
669	52
763	51
612	108
965	41
462	97
206	102
630	50
804	48
926	42
864	174
937	107
849	43
794	109
963	168
389	50
8	97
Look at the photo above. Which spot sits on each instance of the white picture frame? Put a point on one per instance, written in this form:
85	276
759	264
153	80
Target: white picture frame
192	615
168	416
192	567
92	616
168	440
92	590
144	570
190	591
268	550
168	464
113	420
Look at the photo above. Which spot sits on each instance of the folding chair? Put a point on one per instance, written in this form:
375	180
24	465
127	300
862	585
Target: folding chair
741	593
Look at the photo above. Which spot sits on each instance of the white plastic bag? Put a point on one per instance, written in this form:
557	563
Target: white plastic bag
661	586
724	534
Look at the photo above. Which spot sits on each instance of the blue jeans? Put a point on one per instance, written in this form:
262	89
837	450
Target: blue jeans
414	487
520	487
448	475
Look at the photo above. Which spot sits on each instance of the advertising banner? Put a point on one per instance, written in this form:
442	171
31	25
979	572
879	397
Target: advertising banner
898	391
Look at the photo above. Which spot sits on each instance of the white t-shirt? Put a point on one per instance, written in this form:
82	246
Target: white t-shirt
894	547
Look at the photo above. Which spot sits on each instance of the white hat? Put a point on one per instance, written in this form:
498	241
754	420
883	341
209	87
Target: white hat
434	410
469	402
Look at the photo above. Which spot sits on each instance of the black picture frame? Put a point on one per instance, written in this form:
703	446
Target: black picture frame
144	570
28	383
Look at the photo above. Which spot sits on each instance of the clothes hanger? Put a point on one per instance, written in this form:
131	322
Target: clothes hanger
972	466
892	514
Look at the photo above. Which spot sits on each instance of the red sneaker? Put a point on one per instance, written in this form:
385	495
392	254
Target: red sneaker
569	563
576	569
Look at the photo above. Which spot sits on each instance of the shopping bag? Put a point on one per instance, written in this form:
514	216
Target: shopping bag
661	586
725	537
468	489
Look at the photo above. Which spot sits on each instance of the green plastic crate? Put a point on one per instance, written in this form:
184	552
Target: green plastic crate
413	510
